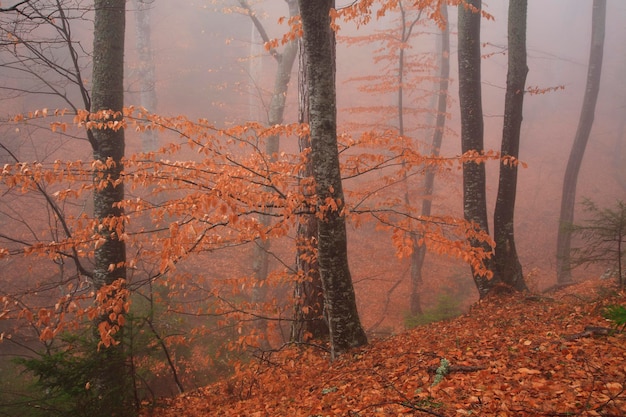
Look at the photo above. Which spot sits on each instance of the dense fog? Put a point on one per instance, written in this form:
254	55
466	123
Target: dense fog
208	61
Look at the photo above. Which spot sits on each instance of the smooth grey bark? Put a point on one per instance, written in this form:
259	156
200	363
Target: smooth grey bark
340	302
419	253
470	100
145	71
114	390
508	268
568	197
309	319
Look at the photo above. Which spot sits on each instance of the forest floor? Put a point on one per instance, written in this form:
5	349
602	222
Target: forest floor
510	355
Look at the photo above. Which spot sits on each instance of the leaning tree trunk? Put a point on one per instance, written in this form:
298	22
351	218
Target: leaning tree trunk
508	268
470	100
339	298
107	94
568	198
419	254
309	320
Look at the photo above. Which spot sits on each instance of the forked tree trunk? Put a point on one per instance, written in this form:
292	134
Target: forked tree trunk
568	198
340	301
419	253
470	100
508	269
113	387
276	111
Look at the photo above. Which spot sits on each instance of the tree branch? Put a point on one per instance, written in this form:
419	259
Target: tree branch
259	27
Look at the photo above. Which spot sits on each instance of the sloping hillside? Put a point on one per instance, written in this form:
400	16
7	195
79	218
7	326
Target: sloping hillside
509	356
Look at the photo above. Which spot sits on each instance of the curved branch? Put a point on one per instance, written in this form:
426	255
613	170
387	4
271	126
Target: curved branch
15	7
259	27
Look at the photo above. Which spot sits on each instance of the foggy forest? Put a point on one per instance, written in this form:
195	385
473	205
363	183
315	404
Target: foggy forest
312	208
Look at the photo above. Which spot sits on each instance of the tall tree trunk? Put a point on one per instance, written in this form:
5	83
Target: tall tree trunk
470	100
419	254
276	111
568	198
339	298
107	94
145	71
619	152
508	268
309	319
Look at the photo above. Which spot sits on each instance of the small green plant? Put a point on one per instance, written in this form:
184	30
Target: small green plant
447	307
428	402
617	314
442	371
329	390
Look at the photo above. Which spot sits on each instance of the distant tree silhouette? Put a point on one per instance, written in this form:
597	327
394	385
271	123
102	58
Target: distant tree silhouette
587	114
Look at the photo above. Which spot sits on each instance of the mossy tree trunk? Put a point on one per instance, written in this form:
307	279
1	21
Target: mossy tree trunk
309	317
340	302
470	100
113	387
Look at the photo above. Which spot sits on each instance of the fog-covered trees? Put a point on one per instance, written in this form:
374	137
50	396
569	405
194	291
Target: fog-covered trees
587	114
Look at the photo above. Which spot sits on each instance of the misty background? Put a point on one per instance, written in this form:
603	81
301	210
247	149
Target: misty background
210	63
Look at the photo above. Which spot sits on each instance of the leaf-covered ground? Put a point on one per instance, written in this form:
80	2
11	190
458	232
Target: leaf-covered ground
521	355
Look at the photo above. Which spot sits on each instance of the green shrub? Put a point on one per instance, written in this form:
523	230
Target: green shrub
67	379
617	314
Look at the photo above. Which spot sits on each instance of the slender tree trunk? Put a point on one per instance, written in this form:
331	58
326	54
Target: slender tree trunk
339	298
276	112
508	268
419	254
470	100
145	72
114	390
619	154
309	319
568	198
